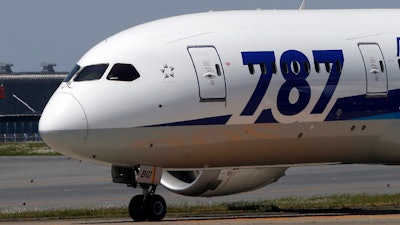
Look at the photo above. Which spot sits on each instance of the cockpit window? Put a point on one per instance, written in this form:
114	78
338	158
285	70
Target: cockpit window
93	72
123	72
72	73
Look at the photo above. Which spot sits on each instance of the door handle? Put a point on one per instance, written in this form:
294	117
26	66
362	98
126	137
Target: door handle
374	71
209	76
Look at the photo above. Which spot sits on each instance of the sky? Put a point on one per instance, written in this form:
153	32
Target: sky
61	31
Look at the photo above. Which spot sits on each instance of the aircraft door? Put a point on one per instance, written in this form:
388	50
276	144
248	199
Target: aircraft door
210	73
375	69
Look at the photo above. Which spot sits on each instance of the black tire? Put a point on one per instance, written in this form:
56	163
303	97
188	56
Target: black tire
137	209
156	208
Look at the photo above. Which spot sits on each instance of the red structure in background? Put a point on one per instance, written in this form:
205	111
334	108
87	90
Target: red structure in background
2	91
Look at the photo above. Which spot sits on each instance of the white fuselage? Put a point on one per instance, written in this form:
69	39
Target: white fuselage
238	89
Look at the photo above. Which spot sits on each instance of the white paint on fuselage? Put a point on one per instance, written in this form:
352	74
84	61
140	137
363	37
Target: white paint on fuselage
118	112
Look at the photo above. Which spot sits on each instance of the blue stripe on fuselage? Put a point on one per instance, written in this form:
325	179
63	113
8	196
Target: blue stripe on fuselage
381	117
358	107
366	108
219	120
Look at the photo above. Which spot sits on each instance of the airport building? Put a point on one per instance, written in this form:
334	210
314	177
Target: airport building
23	97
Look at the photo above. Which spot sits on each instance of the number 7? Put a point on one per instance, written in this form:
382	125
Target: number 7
336	58
256	58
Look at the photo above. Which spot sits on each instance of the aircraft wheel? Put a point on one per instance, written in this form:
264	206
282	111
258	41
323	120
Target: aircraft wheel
137	208
156	208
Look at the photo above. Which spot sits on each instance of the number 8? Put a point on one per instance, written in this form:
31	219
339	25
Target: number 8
295	69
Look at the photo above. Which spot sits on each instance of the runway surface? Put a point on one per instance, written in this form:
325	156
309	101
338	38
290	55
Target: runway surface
353	220
58	182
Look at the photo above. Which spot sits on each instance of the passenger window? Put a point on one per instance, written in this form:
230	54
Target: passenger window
285	68
338	66
123	72
274	69
251	68
328	67
307	66
382	67
263	68
93	72
295	67
218	69
72	73
317	68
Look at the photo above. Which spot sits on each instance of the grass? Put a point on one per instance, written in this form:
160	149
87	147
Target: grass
343	201
26	149
334	202
65	213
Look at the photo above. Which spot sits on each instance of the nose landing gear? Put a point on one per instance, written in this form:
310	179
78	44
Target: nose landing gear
148	206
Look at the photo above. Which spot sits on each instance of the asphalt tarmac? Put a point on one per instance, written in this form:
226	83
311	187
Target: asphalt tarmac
351	219
59	182
28	183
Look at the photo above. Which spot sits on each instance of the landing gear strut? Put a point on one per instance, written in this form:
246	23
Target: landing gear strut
148	206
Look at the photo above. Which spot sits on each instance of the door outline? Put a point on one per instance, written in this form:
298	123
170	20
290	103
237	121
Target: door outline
206	77
374	64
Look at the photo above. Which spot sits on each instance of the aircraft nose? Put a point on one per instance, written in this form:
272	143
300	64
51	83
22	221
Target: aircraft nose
63	124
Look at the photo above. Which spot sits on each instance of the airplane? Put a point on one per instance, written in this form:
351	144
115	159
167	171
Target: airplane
218	103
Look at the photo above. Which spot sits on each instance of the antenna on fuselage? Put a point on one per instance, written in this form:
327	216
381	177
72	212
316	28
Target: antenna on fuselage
303	5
